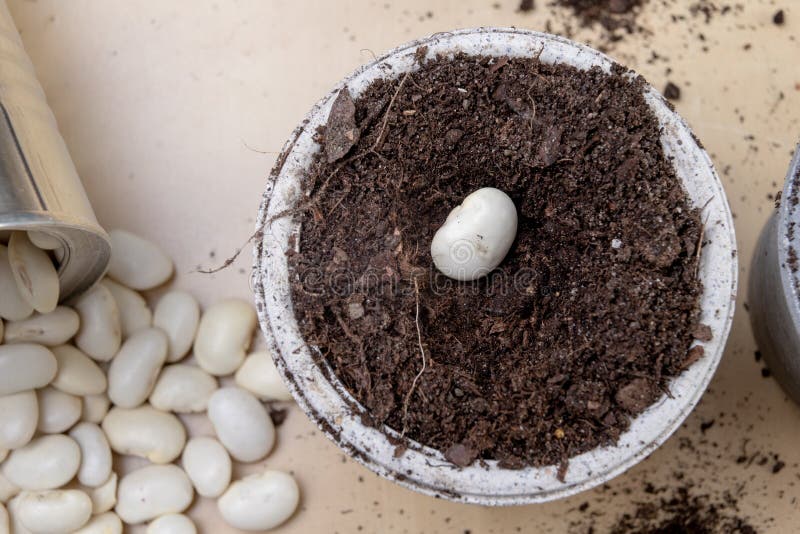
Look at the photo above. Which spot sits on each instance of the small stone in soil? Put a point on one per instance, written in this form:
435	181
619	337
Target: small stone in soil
672	91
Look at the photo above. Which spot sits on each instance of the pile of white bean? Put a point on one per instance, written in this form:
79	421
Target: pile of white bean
106	377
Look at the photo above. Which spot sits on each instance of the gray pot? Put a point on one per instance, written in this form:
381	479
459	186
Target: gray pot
773	293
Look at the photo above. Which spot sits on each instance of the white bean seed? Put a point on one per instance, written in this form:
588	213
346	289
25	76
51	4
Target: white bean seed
95	408
224	334
43	240
95	467
259	376
25	366
260	502
146	432
107	523
241	423
58	411
46	512
19	415
100	333
172	524
12	306
8	489
476	236
47	462
153	491
208	465
137	262
183	388
49	329
133	372
13	518
178	314
34	272
133	311
104	497
77	373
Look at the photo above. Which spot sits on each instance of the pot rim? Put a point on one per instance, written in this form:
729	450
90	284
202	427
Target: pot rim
324	399
788	213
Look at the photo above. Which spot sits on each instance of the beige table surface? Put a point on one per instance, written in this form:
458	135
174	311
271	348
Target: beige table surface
173	111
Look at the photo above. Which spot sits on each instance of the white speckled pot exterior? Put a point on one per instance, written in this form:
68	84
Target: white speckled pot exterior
772	292
424	469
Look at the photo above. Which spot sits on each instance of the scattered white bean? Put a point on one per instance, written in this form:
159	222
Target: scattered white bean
146	432
58	411
133	372
34	272
137	262
153	491
47	462
260	502
107	523
183	389
172	524
12	306
95	467
178	314
241	423
259	376
476	236
47	512
25	366
77	373
19	415
100	333
13	518
133	311
208	465
104	497
8	489
43	240
49	329
5	527
224	334
95	408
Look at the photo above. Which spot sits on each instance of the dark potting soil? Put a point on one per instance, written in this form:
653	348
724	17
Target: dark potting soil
585	321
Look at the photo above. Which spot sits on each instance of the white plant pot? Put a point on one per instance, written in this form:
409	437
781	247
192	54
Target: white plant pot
421	468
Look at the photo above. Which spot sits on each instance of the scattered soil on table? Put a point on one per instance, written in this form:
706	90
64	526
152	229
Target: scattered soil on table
672	91
583	324
611	14
679	511
701	489
604	23
779	18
